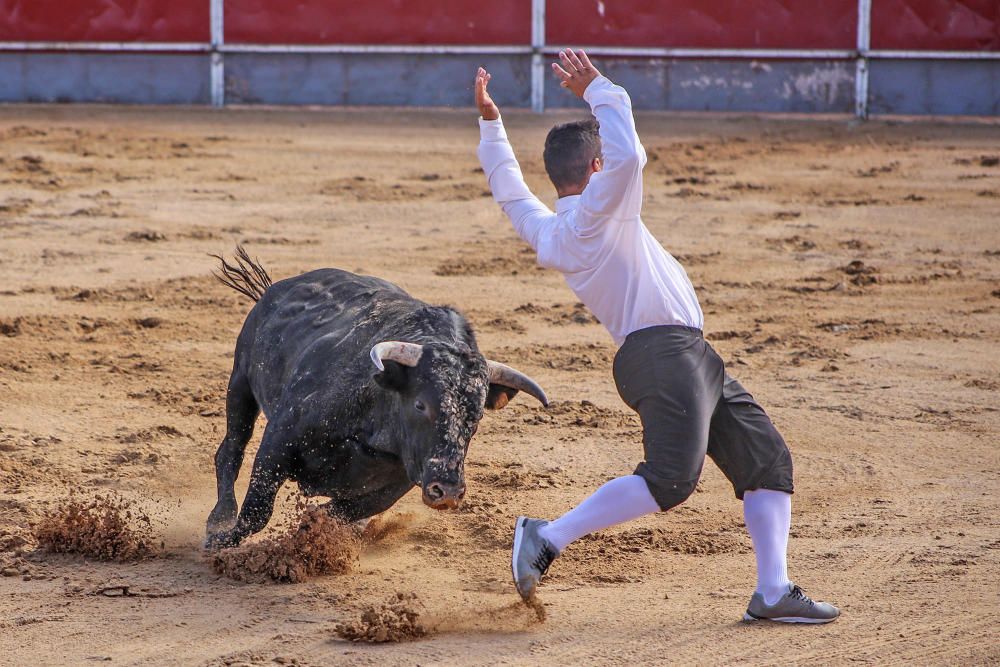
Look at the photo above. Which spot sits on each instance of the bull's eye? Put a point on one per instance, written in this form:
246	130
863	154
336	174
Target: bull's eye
420	407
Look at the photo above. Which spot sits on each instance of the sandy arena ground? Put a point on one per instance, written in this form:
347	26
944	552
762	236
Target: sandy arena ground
850	276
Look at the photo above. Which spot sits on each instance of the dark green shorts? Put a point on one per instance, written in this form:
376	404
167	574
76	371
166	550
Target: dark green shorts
690	406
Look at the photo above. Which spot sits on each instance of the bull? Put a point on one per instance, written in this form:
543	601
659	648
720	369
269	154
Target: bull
367	391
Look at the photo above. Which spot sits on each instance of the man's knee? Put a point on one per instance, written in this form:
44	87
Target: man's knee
667	492
778	476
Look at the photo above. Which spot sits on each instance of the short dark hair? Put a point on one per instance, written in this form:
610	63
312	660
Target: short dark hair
569	149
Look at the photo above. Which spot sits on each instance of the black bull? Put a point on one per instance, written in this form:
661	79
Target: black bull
367	392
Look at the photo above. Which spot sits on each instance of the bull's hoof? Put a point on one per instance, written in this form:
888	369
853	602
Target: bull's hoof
222	518
223	540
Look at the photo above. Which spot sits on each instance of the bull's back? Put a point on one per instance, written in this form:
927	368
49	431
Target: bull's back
324	319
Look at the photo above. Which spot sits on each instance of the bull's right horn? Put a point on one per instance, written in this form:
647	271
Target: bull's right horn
407	354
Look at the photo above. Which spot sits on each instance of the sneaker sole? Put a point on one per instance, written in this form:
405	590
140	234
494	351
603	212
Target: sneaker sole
518	534
747	617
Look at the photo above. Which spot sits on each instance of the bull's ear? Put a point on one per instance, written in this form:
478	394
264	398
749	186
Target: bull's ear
498	396
394	377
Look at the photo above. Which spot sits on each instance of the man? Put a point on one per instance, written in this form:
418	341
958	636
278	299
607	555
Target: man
664	369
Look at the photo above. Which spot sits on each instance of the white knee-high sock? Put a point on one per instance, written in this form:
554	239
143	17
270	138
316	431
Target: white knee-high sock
617	501
768	515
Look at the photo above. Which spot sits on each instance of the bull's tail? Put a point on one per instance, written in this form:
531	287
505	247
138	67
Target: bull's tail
246	276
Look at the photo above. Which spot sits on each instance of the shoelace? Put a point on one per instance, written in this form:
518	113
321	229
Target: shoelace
797	594
544	558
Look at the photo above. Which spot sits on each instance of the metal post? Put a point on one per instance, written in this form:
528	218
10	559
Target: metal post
537	63
861	65
218	66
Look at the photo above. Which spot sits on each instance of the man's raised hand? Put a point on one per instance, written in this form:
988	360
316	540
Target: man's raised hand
487	108
575	71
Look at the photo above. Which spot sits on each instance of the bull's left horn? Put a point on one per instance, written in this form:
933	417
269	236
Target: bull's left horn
508	377
407	354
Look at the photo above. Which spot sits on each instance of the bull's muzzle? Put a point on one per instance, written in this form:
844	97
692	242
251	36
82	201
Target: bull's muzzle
444	495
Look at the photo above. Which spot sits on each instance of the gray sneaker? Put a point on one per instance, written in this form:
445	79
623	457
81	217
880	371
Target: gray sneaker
531	557
793	607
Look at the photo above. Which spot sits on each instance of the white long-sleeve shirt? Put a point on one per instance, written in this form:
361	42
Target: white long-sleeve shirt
597	239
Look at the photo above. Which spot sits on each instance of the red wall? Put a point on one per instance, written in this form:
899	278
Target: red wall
104	20
378	22
963	25
816	24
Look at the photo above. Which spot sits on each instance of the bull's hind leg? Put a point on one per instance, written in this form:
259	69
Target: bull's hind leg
241	414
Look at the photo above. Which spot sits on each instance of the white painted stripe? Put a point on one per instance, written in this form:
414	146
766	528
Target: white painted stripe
861	66
414	49
502	49
124	47
217	16
537	23
885	54
217	71
217	79
861	88
537	62
537	82
864	39
647	52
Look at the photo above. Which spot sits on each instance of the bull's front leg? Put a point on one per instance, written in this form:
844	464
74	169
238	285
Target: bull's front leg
241	413
271	468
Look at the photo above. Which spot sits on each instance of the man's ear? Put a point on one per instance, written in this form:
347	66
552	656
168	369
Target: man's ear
597	164
394	377
498	396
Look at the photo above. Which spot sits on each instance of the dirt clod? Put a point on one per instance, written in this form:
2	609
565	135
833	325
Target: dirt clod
107	527
145	235
383	528
861	274
535	605
399	619
318	545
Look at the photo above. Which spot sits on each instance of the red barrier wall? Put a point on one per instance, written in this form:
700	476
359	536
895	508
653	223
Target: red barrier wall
378	22
808	24
104	20
963	25
805	24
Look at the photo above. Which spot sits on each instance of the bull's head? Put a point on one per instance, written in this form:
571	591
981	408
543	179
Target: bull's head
442	392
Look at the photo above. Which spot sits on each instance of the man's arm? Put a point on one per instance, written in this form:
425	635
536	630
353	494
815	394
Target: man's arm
616	190
496	156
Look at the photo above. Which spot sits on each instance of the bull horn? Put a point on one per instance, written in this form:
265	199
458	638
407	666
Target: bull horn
508	377
407	354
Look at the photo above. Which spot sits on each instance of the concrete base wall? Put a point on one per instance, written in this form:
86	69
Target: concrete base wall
726	85
446	80
130	78
946	87
373	79
896	86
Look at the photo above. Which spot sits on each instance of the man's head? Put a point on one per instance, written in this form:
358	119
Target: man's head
572	154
